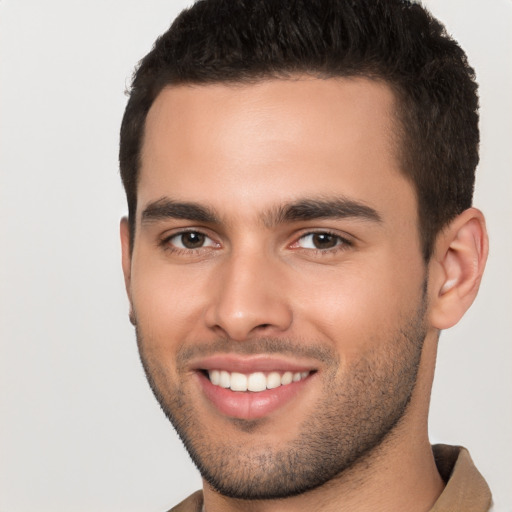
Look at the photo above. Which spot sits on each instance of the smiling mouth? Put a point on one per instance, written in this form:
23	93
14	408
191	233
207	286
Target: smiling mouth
255	382
250	389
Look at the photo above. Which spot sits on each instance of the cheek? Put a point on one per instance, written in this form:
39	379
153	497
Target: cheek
356	306
168	301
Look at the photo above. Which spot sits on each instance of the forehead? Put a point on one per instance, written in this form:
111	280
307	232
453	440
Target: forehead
242	148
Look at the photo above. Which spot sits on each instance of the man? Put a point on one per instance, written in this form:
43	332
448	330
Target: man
299	177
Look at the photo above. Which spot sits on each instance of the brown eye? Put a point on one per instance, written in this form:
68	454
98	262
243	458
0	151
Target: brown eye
324	240
190	240
320	240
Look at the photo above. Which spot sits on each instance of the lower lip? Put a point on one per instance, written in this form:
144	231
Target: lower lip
249	405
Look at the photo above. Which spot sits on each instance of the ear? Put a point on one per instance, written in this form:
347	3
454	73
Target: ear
126	260
456	268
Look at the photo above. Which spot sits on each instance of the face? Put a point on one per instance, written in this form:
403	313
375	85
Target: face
276	279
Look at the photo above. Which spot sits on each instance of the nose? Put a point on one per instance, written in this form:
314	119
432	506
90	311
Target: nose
249	298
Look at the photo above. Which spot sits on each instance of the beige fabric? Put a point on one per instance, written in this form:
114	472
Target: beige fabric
194	503
465	491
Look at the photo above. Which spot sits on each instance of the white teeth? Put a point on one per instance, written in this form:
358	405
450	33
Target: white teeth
225	379
255	382
287	378
215	377
238	382
273	380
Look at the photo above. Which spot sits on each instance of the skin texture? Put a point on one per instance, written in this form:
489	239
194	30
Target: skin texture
362	312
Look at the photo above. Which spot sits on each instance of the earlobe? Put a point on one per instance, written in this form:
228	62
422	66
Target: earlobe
457	267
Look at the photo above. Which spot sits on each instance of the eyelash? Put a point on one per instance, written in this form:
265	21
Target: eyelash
165	243
342	243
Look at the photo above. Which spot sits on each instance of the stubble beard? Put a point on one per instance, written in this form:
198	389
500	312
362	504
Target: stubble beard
349	423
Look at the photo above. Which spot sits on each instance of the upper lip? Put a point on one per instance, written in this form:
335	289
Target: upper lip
250	364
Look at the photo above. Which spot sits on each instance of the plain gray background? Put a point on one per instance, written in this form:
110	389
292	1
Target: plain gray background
79	428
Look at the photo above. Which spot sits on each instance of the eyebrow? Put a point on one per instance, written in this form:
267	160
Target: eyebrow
300	210
324	208
166	208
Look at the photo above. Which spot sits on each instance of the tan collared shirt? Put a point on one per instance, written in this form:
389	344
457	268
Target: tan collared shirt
465	491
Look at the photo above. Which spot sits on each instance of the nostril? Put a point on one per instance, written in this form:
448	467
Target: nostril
247	316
